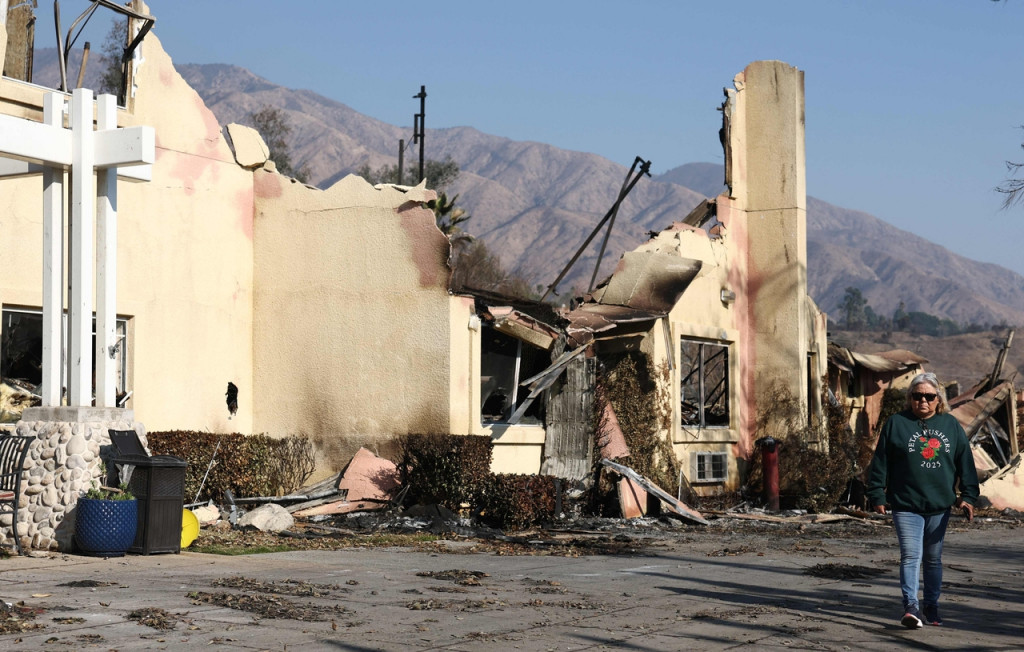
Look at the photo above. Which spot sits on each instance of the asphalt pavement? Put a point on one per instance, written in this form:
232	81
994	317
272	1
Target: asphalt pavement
712	591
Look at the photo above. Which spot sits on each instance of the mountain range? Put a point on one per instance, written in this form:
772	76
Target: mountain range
534	204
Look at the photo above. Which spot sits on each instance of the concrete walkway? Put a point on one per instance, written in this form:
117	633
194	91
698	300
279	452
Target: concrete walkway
690	592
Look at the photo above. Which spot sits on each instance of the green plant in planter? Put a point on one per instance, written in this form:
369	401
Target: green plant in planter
106	520
96	492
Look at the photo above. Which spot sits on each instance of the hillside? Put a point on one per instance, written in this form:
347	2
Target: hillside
534	204
967	358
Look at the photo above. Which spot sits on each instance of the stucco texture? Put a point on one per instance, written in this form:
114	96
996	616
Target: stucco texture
352	314
184	268
768	192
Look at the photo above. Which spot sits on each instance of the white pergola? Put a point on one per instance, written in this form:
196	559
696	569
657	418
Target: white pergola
93	160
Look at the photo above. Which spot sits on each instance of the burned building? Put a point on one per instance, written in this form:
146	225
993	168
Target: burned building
331	312
717	300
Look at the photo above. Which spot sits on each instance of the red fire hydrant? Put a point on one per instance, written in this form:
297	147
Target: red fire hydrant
770	471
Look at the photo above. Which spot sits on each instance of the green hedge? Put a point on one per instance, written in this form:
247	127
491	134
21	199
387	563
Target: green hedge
248	465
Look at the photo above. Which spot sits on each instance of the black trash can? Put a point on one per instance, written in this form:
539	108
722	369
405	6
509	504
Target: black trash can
158	483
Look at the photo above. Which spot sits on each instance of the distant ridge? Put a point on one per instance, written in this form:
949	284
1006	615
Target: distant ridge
706	178
534	204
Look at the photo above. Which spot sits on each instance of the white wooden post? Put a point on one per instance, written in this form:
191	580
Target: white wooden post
28	148
53	269
83	210
106	265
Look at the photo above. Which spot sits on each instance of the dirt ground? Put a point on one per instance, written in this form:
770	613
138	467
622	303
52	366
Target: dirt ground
728	534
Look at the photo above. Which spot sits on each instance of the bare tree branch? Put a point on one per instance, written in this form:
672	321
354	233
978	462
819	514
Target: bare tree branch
1013	186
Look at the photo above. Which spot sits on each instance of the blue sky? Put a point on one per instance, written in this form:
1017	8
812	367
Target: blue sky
912	106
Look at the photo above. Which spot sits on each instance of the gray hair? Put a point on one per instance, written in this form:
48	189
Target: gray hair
928	378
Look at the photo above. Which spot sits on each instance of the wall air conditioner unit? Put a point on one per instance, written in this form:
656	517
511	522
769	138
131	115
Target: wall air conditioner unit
709	467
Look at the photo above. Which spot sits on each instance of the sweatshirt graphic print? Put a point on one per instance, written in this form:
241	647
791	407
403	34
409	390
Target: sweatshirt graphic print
933	446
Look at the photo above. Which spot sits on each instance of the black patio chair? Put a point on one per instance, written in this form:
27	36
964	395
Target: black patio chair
13	451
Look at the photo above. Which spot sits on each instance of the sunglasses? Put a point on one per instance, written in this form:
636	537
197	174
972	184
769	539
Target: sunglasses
921	396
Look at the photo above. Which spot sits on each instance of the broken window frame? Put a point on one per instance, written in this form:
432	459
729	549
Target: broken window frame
121	329
520	403
133	19
718	393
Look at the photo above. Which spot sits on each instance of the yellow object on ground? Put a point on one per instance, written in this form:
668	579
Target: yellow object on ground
189	528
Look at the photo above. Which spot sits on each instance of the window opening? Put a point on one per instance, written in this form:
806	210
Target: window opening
504	362
813	400
704	390
21	347
710	467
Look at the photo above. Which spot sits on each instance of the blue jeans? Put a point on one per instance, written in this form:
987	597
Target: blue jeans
920	540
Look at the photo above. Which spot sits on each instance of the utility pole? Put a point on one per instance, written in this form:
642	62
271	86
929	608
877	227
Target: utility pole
401	159
418	120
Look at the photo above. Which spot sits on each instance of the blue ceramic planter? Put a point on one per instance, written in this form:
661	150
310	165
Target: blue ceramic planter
105	528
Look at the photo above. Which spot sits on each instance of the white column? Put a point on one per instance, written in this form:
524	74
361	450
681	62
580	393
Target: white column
106	265
29	148
83	197
53	262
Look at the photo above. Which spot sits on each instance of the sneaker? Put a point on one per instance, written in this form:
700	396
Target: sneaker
912	618
931	614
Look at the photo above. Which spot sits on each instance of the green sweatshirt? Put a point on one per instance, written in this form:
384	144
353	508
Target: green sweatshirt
918	462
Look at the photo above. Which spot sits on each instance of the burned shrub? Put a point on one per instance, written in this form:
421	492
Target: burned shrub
815	464
640	396
248	465
514	501
894	401
448	470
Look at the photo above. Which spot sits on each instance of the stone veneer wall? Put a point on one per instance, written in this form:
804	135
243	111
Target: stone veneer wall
62	464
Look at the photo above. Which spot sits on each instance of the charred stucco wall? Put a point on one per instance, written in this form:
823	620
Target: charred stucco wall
352	338
700	314
353	323
768	197
774	332
184	275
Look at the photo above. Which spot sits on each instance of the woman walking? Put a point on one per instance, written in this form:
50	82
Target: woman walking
922	460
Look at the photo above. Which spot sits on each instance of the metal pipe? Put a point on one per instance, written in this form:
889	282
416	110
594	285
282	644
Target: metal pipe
611	225
770	469
202	484
60	48
645	169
